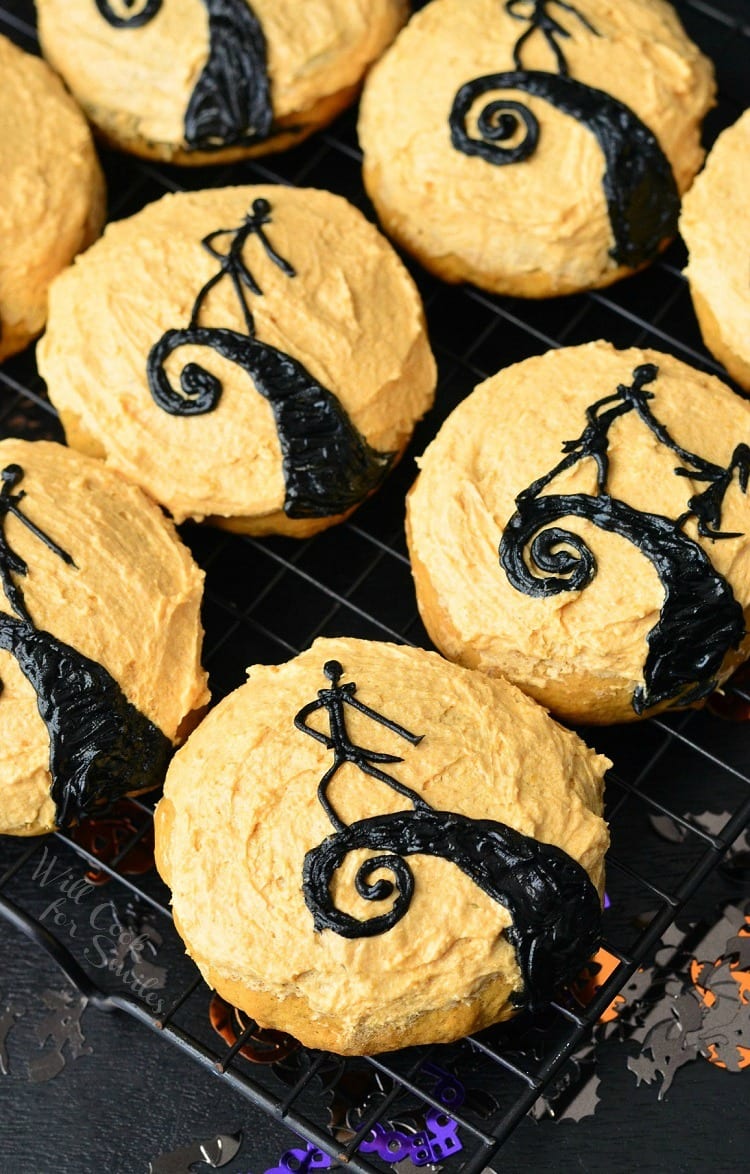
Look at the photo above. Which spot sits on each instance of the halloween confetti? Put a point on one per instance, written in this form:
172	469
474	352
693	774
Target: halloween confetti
693	1003
214	1153
9	1016
59	1035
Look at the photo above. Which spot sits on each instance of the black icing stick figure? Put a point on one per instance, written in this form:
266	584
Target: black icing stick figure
554	906
328	466
233	263
10	562
334	700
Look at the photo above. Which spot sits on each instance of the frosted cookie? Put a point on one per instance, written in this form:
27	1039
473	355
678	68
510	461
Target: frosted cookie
581	526
100	638
716	227
535	147
253	355
209	81
370	848
51	196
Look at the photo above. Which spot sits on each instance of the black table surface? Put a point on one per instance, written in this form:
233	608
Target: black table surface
130	1095
134	1097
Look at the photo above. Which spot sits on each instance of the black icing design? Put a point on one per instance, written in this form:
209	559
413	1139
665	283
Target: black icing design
541	20
700	619
555	908
328	466
642	198
231	102
137	12
101	746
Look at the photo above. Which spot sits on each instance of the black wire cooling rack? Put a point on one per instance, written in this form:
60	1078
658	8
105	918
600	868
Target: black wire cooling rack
268	599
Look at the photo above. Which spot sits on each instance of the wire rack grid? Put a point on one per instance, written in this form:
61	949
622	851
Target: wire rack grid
268	599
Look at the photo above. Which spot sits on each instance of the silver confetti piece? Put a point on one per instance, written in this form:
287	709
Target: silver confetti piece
216	1152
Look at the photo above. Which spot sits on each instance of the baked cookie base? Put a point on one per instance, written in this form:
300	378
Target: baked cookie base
16	335
458	270
123	135
439	1026
713	336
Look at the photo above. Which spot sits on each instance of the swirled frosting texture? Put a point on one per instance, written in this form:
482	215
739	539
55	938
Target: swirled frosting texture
241	811
351	315
580	652
135	83
131	603
540	226
714	224
52	193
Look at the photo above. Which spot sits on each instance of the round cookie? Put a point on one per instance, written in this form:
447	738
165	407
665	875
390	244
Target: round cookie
209	81
494	154
52	195
714	224
254	355
369	848
581	526
100	638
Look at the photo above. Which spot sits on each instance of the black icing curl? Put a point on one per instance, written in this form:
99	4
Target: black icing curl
200	390
554	906
230	104
328	466
561	555
497	122
700	620
640	189
143	13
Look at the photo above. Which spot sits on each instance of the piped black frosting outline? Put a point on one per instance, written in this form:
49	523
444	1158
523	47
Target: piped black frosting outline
230	104
328	465
101	746
700	620
643	202
136	19
555	908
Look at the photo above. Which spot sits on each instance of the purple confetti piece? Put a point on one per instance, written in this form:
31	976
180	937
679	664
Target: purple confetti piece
442	1133
448	1090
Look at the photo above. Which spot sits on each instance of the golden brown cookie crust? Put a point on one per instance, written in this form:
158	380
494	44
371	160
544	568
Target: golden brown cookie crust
580	653
52	201
714	224
135	83
146	634
351	315
538	227
240	811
